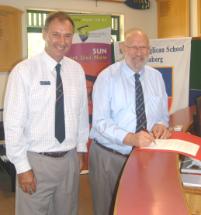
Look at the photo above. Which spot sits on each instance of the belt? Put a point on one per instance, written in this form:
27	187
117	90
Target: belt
109	149
54	154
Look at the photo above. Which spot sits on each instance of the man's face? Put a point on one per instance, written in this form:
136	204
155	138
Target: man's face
58	38
136	51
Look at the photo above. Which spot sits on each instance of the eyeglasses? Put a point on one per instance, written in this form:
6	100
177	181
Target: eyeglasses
138	48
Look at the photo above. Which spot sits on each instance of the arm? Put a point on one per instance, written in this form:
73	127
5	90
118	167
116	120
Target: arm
102	122
104	104
83	129
15	115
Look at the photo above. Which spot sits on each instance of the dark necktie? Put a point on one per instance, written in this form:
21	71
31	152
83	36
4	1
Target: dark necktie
140	108
59	108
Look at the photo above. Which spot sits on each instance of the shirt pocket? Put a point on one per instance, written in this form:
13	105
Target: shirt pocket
40	96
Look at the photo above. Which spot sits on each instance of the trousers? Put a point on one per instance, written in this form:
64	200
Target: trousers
105	169
57	186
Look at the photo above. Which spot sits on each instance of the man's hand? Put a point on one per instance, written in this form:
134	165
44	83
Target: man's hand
81	159
160	131
27	181
139	139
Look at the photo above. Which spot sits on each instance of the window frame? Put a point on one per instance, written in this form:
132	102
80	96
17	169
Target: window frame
35	25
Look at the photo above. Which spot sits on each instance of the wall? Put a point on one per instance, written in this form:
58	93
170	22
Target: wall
193	18
145	19
132	18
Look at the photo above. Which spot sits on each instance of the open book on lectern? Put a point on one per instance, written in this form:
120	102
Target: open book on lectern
180	142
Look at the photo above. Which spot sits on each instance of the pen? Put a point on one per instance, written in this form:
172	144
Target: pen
144	129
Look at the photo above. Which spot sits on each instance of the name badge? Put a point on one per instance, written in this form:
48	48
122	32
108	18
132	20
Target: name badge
44	82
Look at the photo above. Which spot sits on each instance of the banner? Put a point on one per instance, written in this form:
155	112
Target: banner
172	58
92	49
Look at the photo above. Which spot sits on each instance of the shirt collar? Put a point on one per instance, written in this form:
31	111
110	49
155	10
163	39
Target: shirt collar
50	62
129	72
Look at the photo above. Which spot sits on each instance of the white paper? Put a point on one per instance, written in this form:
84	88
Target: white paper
174	145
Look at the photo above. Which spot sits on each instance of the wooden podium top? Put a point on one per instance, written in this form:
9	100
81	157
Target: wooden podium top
150	183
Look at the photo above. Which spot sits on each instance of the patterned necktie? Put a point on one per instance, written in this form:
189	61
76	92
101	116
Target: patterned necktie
59	108
139	102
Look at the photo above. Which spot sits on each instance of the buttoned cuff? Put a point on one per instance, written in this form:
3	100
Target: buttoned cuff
22	166
120	136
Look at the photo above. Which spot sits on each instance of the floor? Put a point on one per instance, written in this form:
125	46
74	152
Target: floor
7	198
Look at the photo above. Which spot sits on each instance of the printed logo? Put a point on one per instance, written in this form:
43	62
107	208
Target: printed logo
83	32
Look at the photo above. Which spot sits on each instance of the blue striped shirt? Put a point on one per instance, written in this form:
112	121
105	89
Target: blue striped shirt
114	113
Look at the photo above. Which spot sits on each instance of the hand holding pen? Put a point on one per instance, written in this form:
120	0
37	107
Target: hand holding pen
138	139
144	129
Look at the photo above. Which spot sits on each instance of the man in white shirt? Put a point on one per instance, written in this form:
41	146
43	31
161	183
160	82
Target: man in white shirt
123	117
47	165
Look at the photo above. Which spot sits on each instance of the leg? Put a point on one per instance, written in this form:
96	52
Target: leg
67	191
105	169
38	202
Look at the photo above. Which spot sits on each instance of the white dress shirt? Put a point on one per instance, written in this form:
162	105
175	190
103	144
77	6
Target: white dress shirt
114	112
29	109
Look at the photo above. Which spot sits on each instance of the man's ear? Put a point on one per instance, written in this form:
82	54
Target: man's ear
121	47
44	33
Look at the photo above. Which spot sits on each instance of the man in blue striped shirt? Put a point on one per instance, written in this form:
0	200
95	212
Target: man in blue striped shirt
114	117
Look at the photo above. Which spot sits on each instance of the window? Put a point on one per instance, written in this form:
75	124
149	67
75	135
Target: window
36	21
115	28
